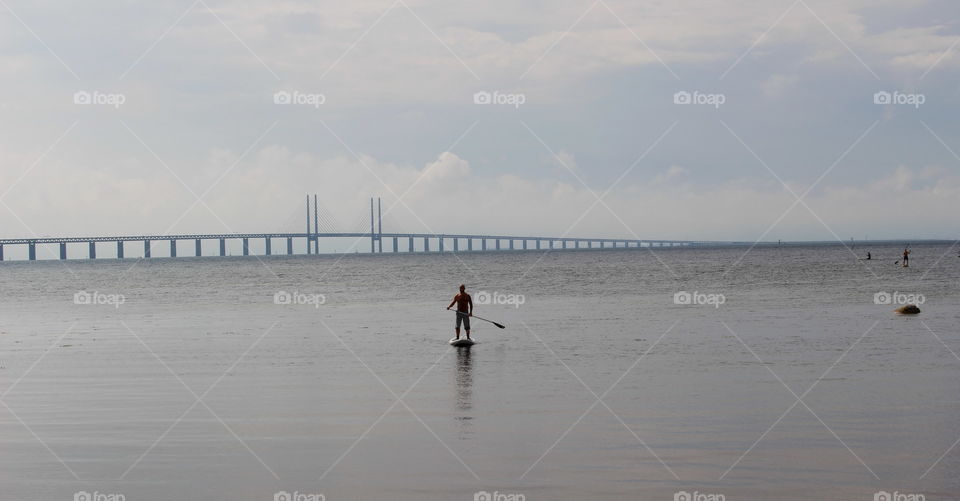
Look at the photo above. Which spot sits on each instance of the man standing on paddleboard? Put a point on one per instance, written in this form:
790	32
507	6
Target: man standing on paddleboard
464	309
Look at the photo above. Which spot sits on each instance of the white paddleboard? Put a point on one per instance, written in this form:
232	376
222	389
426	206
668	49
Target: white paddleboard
461	342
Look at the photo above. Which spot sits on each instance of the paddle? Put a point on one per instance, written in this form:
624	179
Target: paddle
484	319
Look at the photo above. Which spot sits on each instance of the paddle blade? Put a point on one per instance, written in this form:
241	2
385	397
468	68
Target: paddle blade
499	325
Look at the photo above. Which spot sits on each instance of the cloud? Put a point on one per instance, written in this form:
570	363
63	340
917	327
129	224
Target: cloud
266	195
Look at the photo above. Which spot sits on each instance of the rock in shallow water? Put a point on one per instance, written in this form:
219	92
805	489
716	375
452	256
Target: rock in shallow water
908	309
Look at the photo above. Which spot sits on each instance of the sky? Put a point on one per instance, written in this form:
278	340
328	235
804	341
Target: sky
690	119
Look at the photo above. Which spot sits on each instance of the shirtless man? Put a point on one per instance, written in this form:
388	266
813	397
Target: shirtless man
464	310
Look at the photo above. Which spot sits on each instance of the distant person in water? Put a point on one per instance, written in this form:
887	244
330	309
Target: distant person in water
906	258
464	310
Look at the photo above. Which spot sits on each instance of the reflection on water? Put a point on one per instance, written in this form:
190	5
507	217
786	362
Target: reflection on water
464	378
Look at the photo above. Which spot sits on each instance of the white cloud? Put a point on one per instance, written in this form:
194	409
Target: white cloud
267	193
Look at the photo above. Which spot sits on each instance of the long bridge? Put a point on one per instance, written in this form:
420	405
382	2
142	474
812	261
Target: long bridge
401	242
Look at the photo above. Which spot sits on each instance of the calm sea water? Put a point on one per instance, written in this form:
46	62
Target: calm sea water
199	386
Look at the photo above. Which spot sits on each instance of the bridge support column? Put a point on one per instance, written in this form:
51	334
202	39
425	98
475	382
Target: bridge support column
223	247
426	244
289	246
146	248
246	246
1	252
525	243
119	249
173	248
483	244
197	248
32	251
410	247
63	250
511	244
498	244
267	244
93	250
456	245
469	244
440	245
564	242
395	244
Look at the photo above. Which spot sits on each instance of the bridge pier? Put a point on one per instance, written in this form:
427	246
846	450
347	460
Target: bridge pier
267	245
1	252
511	244
525	244
456	244
483	243
119	249
410	247
289	246
498	243
426	244
32	251
173	248
63	250
246	246
470	244
440	245
93	250
395	243
223	247
146	248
